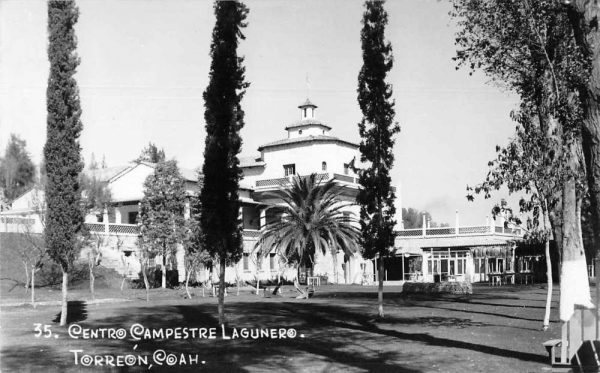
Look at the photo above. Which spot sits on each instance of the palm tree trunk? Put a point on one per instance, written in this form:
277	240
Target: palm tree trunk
64	305
380	290
303	294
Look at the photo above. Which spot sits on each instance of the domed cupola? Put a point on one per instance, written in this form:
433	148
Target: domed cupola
307	125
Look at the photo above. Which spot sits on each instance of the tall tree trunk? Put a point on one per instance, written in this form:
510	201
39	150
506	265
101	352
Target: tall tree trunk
65	303
33	287
146	283
187	281
26	265
548	269
164	271
92	278
574	284
380	289
335	270
584	16
221	290
550	285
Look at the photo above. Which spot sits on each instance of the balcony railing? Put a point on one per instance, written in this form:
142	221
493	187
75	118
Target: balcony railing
111	228
16	220
285	181
458	231
251	234
132	229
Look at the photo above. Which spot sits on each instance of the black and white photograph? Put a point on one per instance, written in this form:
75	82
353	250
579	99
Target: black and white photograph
300	186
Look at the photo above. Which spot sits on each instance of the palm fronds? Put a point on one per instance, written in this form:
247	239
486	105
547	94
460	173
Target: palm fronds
313	219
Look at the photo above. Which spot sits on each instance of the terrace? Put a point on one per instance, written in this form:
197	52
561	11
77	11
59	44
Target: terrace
286	181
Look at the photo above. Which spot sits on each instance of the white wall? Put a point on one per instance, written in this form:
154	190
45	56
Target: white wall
307	131
307	157
130	186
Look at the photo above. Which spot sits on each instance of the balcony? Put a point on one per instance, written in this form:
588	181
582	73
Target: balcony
250	234
114	229
458	231
134	230
286	181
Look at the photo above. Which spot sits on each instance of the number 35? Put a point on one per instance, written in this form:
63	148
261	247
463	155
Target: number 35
40	329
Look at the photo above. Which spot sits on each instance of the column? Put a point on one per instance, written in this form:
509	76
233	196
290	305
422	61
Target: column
105	219
403	275
187	210
117	215
263	218
456	229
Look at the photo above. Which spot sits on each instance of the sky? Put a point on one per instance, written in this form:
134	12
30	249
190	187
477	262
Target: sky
145	63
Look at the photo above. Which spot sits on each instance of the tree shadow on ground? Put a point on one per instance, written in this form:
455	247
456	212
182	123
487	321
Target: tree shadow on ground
76	311
471	311
364	324
335	338
35	359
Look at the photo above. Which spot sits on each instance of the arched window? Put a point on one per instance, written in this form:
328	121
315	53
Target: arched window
324	166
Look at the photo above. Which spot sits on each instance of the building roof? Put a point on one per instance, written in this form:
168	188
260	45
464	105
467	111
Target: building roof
307	103
251	161
307	123
106	174
189	174
307	139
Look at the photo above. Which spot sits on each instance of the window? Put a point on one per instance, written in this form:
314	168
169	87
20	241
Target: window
132	217
324	166
289	169
272	261
246	262
346	168
299	132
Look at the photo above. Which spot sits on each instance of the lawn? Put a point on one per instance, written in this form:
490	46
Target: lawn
497	329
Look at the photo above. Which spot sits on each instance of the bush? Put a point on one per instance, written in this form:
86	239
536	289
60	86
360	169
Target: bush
445	287
155	278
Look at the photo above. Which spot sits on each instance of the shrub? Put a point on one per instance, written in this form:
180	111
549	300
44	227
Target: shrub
445	287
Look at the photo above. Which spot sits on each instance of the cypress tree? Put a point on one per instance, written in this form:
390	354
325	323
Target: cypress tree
219	203
62	153
377	129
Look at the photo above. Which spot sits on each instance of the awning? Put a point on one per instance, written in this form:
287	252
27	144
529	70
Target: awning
496	251
414	250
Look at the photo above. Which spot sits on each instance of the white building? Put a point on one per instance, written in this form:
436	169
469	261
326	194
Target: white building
308	148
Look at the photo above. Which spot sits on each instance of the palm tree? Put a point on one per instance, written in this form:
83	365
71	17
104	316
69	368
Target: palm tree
312	220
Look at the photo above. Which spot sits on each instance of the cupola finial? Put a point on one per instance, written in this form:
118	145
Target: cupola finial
307	110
